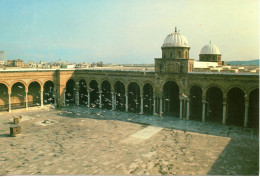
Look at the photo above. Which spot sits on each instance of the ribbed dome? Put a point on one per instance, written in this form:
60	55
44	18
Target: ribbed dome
175	40
210	49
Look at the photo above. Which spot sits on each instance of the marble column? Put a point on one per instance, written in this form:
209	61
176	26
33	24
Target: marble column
26	100
100	100
246	114
142	105
224	121
113	100
9	102
161	112
154	105
203	110
64	97
55	98
42	98
88	98
181	108
126	103
77	97
188	110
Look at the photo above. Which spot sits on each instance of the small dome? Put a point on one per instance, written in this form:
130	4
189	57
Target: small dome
175	40
210	49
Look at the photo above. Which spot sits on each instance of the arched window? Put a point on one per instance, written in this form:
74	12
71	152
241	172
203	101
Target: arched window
179	54
171	55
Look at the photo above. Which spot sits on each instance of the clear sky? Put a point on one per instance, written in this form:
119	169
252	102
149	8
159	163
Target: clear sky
125	31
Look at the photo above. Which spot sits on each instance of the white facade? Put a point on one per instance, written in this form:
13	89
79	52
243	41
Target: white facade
203	64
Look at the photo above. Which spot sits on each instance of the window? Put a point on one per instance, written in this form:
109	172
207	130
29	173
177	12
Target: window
179	54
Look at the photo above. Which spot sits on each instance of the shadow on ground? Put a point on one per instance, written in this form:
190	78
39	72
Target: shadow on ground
239	155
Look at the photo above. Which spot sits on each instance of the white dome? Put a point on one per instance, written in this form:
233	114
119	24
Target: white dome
175	40
210	49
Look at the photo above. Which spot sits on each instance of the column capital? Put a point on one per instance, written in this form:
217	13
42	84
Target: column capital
204	101
224	103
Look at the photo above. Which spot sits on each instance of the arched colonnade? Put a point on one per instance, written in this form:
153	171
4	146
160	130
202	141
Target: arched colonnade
24	95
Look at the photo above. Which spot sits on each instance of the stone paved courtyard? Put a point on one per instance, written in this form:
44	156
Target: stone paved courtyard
82	141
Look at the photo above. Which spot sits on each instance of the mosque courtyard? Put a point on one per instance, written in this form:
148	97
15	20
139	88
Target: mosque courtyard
83	141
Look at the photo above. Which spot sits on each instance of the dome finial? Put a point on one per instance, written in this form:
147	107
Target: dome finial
175	29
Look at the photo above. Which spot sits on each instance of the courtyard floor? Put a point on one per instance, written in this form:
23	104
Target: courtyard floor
83	141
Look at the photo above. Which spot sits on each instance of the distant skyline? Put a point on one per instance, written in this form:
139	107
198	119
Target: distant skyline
125	31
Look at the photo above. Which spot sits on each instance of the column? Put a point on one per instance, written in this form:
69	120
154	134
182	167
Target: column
64	97
126	103
88	98
41	98
113	100
203	110
161	112
26	101
142	104
224	121
100	100
55	98
154	105
188	110
77	98
180	108
9	101
246	114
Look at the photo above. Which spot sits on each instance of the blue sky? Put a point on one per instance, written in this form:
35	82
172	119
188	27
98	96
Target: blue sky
125	31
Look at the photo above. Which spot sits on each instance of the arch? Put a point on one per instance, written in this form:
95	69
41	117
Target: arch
171	101
89	80
48	92
4	98
236	106
253	110
18	95
148	98
80	78
195	84
83	92
71	78
19	81
150	83
236	86
94	93
106	94
35	80
132	81
7	85
167	81
34	94
70	92
119	89
214	85
134	98
214	104
195	102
